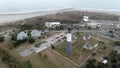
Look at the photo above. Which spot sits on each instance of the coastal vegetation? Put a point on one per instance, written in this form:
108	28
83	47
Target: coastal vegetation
1	39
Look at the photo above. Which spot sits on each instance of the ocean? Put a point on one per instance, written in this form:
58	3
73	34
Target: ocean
26	6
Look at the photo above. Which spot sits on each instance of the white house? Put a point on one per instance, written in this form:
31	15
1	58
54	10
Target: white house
85	18
94	25
22	35
52	24
35	33
86	37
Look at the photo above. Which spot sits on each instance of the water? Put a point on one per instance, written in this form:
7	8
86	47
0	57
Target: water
24	6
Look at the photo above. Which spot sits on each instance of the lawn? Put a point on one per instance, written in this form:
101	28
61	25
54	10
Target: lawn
78	52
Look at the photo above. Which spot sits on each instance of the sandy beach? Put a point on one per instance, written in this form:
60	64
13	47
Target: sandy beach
6	18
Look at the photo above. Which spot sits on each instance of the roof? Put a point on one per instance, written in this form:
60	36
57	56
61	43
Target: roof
104	61
93	24
86	18
35	33
52	22
22	35
116	47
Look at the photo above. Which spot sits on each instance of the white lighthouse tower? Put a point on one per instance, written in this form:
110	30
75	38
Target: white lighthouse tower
68	41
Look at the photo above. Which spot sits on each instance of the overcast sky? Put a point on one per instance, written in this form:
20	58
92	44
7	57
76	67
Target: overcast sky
41	4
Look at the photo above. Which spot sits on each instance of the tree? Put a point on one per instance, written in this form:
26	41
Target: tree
14	37
1	39
117	43
31	40
110	31
100	65
53	47
90	63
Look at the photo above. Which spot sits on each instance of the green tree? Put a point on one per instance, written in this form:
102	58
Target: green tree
1	39
31	40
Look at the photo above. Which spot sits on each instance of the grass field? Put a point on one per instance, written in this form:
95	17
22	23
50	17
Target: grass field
78	52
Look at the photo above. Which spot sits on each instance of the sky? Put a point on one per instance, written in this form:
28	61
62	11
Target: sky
12	5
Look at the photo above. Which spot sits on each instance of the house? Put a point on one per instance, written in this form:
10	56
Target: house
86	18
117	25
89	46
94	25
86	37
22	35
35	33
117	48
52	24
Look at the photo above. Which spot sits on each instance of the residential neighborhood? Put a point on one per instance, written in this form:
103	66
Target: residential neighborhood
89	43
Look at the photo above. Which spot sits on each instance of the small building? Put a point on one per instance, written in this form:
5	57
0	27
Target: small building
105	61
117	25
89	46
86	37
86	18
22	35
117	48
93	25
35	33
52	24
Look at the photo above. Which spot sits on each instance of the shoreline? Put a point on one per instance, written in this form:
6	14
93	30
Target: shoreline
6	18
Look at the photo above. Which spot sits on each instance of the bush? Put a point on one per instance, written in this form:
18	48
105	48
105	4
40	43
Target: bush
93	54
31	40
1	39
18	42
53	47
117	43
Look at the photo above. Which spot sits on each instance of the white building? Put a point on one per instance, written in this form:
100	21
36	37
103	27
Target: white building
35	33
86	37
94	25
105	61
22	35
85	18
52	24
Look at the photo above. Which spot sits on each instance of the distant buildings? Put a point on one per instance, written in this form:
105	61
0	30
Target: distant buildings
117	48
117	25
52	24
35	33
22	35
86	18
94	25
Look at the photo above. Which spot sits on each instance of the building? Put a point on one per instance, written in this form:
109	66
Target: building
86	18
68	41
105	61
52	24
22	35
94	25
35	33
86	37
89	46
117	48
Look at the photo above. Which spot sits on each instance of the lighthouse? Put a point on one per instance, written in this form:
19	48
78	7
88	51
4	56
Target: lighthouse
68	48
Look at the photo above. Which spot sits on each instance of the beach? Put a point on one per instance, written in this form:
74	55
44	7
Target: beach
6	18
